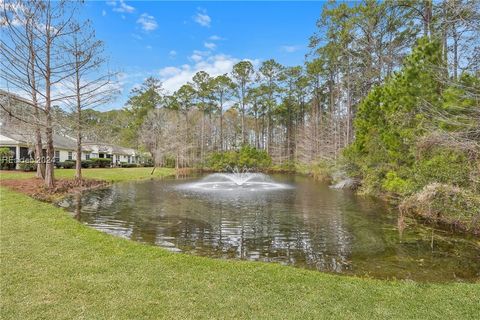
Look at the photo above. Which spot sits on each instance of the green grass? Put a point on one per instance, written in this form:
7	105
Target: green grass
107	174
56	268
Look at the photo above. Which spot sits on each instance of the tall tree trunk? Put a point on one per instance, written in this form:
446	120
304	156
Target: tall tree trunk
78	163
243	119
39	152
349	128
455	51
257	133
427	17
221	127
49	176
40	172
202	138
267	144
187	140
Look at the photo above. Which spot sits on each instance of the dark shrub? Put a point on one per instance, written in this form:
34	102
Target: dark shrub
86	163
68	164
101	162
128	165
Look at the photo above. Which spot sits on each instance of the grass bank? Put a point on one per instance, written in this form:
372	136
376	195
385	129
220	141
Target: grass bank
56	268
106	174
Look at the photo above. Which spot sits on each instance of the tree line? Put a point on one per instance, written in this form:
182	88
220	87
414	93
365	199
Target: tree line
302	114
296	114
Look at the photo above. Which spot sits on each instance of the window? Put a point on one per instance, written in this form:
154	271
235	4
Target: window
57	156
70	155
87	156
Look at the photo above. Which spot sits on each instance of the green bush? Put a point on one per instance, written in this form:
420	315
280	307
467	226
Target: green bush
101	162
397	185
86	164
28	166
128	165
67	164
447	166
6	157
246	157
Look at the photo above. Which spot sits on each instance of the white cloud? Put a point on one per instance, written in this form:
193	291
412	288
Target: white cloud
172	53
104	13
196	57
149	47
210	45
169	71
215	38
202	18
123	7
147	22
174	77
290	49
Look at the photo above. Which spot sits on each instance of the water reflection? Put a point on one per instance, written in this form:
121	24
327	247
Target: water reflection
309	226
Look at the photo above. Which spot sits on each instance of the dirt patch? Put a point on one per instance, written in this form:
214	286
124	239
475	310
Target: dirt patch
34	187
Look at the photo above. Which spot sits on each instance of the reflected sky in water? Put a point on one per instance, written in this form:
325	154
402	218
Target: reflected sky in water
308	225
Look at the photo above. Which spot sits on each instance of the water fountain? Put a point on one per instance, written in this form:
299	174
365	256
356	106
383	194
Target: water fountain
238	180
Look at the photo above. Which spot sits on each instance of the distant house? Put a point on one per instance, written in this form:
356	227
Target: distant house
22	146
116	153
20	139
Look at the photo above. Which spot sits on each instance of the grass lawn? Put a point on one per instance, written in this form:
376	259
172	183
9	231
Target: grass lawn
107	174
56	268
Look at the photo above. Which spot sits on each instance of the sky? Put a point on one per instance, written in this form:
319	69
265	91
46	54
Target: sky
173	40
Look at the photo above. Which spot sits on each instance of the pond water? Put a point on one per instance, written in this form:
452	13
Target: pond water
298	222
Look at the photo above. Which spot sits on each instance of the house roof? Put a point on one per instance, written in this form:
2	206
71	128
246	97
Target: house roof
28	138
110	147
9	135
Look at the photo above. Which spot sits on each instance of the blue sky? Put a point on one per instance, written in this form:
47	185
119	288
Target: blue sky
173	40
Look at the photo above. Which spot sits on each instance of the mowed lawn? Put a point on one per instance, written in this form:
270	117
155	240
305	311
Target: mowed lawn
53	267
107	174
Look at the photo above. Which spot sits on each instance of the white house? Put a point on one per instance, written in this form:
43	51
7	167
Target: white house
20	139
116	153
22	146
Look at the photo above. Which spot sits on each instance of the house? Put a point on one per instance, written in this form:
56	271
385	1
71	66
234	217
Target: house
116	153
19	137
21	143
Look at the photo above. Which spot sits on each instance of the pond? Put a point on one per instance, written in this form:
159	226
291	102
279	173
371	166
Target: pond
292	220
